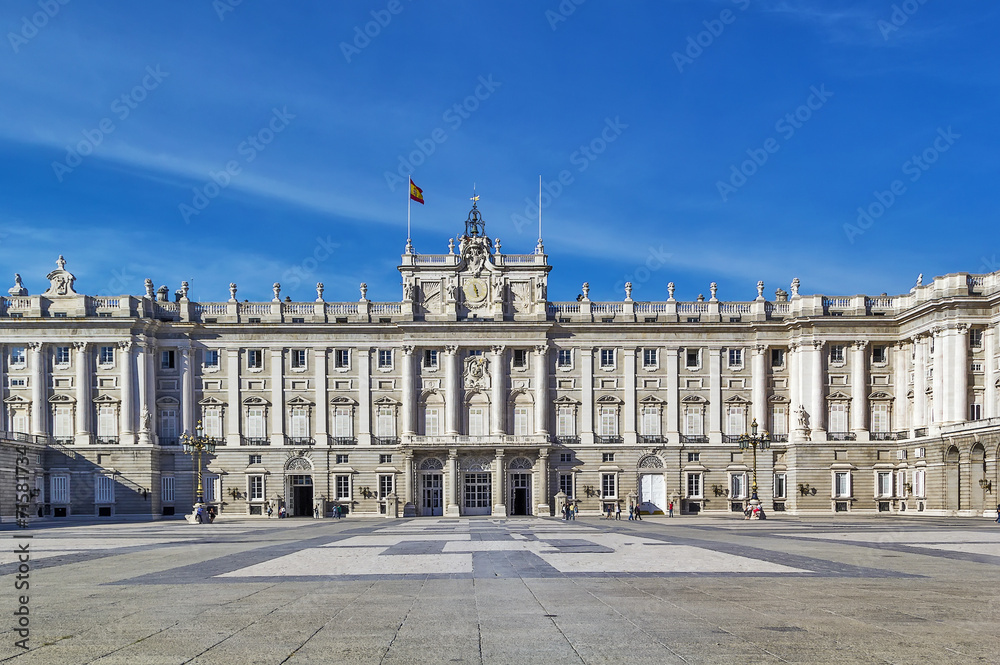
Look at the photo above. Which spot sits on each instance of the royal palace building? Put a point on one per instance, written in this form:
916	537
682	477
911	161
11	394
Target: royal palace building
474	394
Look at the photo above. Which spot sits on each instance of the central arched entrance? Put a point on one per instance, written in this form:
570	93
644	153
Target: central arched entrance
299	487
431	475
477	486
652	486
520	486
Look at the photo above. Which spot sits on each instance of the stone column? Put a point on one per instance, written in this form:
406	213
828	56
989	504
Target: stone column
499	498
859	390
277	397
628	367
818	415
542	389
899	357
364	395
498	395
4	426
586	395
452	397
83	403
409	502
920	383
673	395
39	404
960	372
187	391
234	414
150	380
127	407
938	382
758	374
989	369
322	403
145	434
409	397
714	395
452	509
543	482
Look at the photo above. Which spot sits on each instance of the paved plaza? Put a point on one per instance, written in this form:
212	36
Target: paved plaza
519	590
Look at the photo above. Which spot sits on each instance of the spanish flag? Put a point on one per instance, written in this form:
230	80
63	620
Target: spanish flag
416	193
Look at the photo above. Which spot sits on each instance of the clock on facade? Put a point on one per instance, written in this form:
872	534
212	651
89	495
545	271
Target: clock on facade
475	290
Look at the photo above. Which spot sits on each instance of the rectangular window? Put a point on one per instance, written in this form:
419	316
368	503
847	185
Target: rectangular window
17	355
607	457
385	459
385	485
883	483
609	488
607	358
255	359
918	482
475	352
168	423
880	418
736	420
520	421
975	412
694	457
212	358
385	359
779	419
566	484
901	482
842	484
298	358
343	423
566	421
167	489
477	421
777	357
878	355
432	421
107	421
737	486
430	358
565	457
975	337
693	421
211	486
168	359
564	358
104	489
342	459
62	355
20	421
691	359
609	421
838	417
107	355
255	422
343	485
837	353
60	489
386	422
649	359
520	358
256	459
341	358
780	486
299	421
212	421
63	422
255	488
694	485
651	420
735	358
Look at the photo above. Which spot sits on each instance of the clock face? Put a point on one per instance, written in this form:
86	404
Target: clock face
476	290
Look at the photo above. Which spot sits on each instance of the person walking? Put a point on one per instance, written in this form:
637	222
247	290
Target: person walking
998	513
638	512
670	509
572	511
618	511
631	512
199	515
270	510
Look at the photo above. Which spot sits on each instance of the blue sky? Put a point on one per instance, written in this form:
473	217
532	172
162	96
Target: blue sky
697	141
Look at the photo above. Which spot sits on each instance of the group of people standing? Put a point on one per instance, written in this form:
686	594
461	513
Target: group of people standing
281	511
569	511
201	514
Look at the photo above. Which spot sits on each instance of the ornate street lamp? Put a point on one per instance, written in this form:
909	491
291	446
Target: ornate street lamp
193	445
754	441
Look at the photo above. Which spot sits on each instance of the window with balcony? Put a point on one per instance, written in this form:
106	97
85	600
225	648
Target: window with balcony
343	424
385	422
565	422
521	420
650	421
107	424
608	421
432	421
736	420
63	424
779	421
694	419
168	426
212	421
477	421
880	418
299	424
838	418
255	423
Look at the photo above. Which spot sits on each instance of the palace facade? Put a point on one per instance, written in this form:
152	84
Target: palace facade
474	394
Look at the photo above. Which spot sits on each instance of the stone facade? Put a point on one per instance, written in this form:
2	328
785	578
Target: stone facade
476	394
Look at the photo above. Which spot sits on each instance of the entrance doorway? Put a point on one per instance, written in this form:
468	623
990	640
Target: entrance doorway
431	495
520	493
300	496
652	494
478	494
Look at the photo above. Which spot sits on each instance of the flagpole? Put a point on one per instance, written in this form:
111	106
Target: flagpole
409	202
540	249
